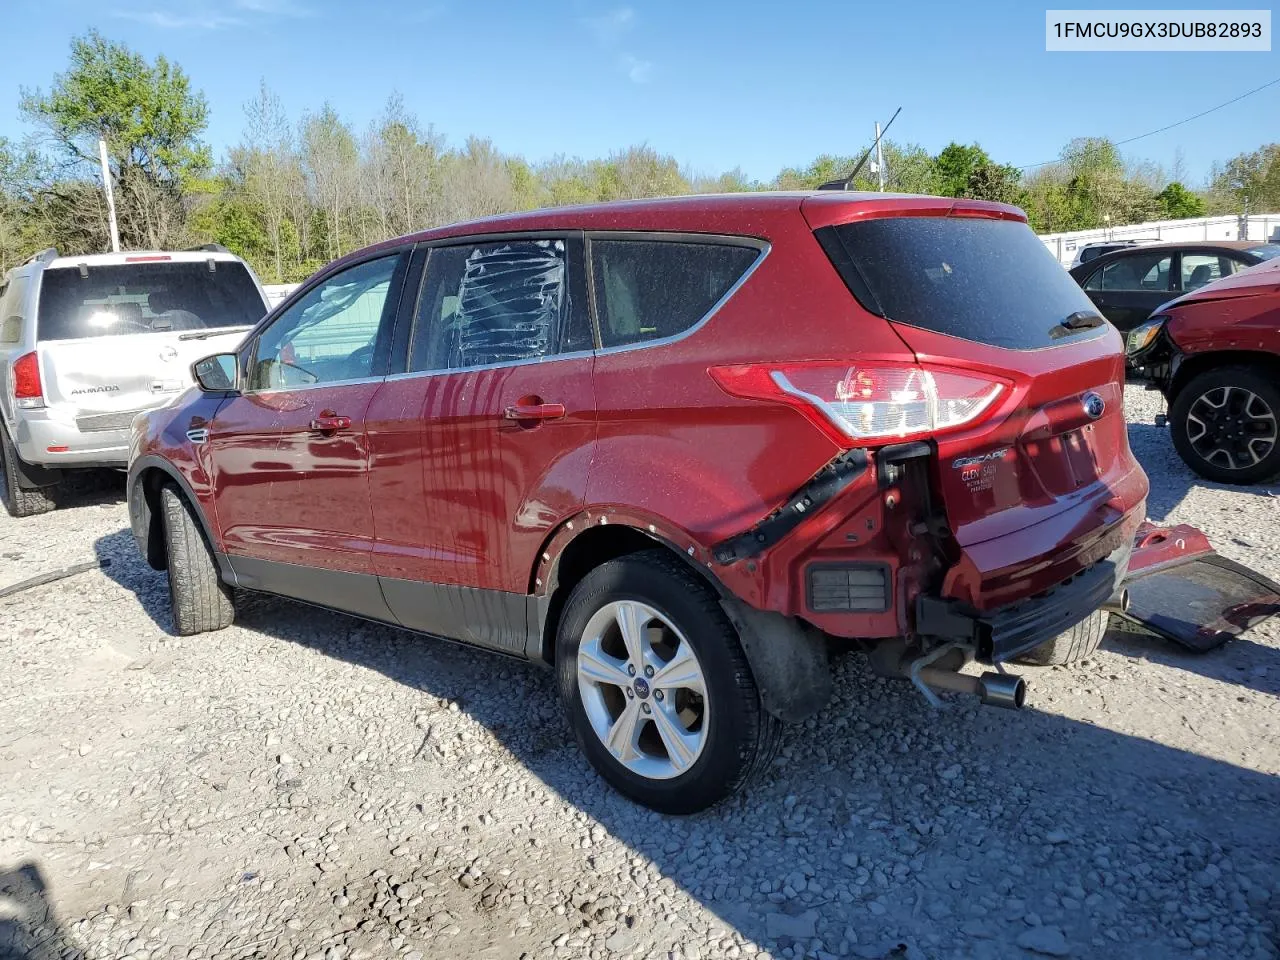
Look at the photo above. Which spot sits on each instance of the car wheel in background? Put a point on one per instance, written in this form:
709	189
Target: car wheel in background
1226	425
18	500
1072	645
657	687
201	601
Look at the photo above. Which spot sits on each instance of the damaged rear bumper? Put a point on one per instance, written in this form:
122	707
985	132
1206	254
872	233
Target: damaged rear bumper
1005	633
1177	587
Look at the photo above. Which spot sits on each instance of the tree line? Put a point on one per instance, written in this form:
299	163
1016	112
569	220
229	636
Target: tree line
297	192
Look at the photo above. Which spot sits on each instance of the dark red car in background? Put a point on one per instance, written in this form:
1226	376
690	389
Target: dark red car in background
677	449
1215	355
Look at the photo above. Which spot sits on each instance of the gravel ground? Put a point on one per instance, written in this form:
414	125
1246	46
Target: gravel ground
309	785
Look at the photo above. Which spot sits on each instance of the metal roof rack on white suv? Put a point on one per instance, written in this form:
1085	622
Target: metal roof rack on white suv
44	256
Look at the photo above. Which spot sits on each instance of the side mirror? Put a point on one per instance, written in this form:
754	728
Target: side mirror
217	374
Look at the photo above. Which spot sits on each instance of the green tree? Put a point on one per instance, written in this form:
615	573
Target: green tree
955	165
152	121
994	181
824	168
1250	179
1179	203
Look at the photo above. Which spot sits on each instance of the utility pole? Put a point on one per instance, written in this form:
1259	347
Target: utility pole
111	197
879	158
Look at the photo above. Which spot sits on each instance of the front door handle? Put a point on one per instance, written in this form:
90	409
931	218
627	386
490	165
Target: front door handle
535	411
328	423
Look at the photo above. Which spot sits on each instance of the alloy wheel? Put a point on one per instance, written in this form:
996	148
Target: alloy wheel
643	690
1231	427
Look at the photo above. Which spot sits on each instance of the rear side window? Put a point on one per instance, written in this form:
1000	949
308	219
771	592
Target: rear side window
146	298
989	281
1137	271
651	289
490	303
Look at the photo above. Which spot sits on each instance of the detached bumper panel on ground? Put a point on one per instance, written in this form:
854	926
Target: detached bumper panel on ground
1202	602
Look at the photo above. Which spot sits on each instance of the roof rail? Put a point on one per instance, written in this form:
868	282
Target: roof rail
44	256
210	247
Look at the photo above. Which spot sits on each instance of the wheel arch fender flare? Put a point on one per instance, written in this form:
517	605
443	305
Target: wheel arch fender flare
144	519
788	657
1192	365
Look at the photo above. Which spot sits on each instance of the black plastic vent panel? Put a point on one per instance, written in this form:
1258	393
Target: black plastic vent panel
848	588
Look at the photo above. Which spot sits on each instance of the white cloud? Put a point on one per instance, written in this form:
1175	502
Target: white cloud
165	20
639	71
610	27
212	17
273	8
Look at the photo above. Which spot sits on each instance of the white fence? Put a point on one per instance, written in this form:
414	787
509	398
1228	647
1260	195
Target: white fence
1261	227
276	292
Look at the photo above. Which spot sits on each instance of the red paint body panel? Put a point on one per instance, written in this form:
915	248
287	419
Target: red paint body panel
1240	312
465	496
290	493
1066	481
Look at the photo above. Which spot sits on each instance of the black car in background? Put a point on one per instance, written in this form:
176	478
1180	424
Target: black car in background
1126	285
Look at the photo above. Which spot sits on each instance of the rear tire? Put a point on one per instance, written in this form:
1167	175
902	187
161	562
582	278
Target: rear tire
1076	644
201	601
1244	403
725	737
18	500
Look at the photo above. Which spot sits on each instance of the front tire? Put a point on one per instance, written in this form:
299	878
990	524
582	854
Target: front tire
21	501
1072	646
657	687
201	601
1225	424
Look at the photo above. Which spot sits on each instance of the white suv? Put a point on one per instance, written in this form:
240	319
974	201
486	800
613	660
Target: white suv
88	342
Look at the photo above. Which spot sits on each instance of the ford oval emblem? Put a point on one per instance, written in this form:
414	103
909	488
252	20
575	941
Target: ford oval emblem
168	352
1094	405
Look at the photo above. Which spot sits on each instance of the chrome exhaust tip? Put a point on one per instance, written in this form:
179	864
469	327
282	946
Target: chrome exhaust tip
1119	602
1002	690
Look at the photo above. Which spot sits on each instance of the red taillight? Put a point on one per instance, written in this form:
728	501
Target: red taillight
26	381
866	404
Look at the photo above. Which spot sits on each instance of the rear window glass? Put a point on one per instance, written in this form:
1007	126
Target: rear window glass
146	298
1267	251
989	281
650	289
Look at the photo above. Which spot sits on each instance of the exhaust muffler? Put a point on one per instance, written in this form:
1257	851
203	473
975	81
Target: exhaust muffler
1119	602
993	689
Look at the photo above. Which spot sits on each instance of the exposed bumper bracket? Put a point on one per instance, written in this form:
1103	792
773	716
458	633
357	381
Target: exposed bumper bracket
1004	634
826	484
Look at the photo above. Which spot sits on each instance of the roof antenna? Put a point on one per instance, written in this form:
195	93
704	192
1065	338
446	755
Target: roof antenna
844	182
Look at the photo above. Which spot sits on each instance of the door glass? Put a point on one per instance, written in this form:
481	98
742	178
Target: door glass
1140	271
490	303
1201	268
651	289
330	334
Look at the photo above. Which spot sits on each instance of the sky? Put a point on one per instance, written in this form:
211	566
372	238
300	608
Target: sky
718	85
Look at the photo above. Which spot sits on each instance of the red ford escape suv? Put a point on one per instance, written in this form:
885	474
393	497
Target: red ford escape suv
675	448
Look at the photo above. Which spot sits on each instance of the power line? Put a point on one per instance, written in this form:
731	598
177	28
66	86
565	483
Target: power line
1152	133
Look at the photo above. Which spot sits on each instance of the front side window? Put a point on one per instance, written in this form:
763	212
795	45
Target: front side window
330	335
652	289
490	303
1139	271
1201	268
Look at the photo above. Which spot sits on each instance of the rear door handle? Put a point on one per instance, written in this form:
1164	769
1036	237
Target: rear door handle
327	423
535	411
